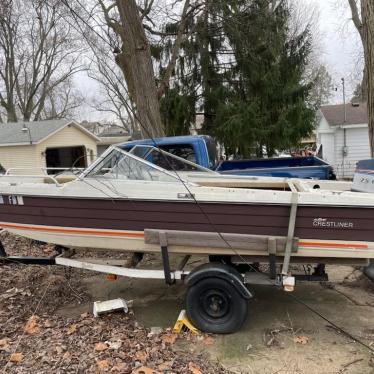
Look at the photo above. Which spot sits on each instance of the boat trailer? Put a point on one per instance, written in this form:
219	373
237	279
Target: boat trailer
214	287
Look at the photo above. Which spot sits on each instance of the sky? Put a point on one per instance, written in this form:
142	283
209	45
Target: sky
339	48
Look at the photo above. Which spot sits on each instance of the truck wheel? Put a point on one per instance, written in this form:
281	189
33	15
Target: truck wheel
214	305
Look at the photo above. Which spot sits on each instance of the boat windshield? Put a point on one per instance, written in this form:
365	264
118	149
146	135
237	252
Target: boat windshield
166	160
118	164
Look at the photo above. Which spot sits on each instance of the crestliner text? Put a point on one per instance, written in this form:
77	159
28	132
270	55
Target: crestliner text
324	222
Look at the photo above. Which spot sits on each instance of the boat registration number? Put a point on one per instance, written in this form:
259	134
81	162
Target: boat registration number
11	200
15	200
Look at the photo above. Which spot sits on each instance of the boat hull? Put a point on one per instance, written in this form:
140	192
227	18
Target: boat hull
119	224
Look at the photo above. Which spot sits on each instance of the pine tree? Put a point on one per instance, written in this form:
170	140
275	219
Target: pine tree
245	73
266	110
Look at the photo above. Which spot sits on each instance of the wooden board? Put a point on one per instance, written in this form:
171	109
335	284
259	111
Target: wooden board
259	243
258	184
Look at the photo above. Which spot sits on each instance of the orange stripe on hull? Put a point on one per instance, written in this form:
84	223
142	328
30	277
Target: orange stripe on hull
74	231
333	245
126	234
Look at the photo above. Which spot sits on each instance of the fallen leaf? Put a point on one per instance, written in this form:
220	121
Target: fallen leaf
145	370
164	366
114	345
71	329
4	345
16	357
169	338
102	365
47	324
301	339
141	356
99	347
31	326
120	367
194	369
58	349
84	315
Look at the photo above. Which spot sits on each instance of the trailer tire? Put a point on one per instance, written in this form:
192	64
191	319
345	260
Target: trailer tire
214	305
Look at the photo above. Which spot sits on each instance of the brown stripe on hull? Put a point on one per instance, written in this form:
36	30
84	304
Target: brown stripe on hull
355	223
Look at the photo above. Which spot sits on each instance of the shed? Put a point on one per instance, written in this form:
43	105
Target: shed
343	133
46	144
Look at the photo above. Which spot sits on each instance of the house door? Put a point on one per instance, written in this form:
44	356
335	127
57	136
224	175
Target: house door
65	158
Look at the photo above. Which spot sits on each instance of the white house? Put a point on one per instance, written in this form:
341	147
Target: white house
343	133
46	144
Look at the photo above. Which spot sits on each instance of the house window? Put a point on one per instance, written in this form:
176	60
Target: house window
64	158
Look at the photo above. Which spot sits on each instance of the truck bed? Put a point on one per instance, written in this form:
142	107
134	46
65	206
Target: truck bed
289	167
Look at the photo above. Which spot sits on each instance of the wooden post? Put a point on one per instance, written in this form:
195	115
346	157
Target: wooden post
165	257
272	245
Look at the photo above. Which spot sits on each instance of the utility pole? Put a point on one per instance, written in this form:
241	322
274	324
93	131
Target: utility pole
345	109
345	149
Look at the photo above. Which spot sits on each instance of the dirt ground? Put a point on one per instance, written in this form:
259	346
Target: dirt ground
46	325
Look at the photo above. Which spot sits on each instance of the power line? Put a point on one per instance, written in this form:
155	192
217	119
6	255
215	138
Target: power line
147	132
145	129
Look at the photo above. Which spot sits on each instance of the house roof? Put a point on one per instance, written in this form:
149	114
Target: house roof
113	130
356	114
12	133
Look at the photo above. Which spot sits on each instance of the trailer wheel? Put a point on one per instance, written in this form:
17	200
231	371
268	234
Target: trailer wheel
214	305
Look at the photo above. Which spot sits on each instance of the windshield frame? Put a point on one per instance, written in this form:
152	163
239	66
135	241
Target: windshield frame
86	172
171	155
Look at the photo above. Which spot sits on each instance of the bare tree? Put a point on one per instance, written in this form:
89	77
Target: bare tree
113	96
134	59
9	27
62	101
363	19
38	52
355	6
322	85
133	25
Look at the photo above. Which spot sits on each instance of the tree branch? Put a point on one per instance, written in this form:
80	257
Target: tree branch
175	52
108	19
356	16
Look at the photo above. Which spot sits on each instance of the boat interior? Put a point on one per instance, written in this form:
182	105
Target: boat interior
152	164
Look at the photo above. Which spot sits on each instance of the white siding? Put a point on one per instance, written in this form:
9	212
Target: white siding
326	137
328	147
70	136
323	125
33	156
357	142
19	157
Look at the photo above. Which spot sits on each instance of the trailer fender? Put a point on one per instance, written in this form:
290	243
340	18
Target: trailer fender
222	271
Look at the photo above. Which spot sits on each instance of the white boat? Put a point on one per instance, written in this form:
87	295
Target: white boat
121	197
124	202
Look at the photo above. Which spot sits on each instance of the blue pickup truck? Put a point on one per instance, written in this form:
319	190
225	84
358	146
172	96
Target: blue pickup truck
202	150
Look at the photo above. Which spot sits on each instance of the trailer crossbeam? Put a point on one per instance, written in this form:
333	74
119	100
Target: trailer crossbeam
122	271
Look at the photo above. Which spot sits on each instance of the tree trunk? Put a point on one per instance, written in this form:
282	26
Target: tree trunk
11	114
136	64
368	42
364	86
